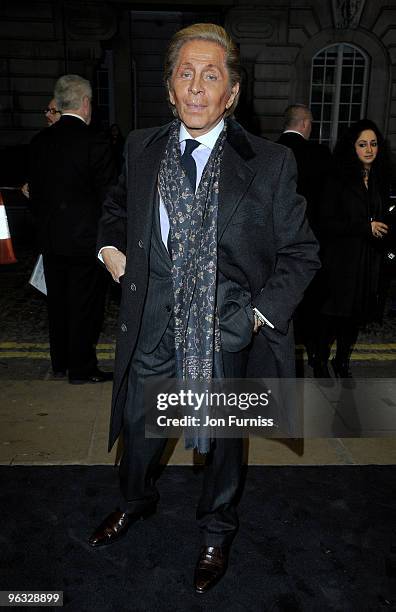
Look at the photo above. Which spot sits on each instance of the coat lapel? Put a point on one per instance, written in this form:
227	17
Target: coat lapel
236	175
235	178
147	168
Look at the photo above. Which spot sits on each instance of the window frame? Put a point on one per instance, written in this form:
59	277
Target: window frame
335	104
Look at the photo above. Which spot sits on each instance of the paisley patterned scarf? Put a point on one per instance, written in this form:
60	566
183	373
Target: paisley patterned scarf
193	239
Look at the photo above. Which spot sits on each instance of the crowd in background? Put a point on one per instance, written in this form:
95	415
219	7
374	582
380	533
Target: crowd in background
350	211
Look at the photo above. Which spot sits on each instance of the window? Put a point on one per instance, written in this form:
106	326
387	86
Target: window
103	92
338	90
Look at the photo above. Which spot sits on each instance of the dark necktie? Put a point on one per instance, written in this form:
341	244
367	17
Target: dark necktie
190	167
188	161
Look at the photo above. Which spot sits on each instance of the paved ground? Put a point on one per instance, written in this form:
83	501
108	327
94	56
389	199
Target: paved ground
45	421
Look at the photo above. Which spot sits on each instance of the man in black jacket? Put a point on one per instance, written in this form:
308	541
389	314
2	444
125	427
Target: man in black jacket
313	160
70	169
210	239
313	165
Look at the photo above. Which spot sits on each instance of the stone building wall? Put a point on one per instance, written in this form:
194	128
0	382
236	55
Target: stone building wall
279	39
41	39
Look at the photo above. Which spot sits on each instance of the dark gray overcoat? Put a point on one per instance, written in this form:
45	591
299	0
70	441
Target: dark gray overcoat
264	241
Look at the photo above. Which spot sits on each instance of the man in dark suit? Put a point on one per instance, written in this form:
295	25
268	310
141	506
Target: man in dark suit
313	159
52	115
70	170
313	166
210	239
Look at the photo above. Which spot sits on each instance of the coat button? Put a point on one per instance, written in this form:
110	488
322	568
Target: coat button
140	243
133	287
124	327
168	308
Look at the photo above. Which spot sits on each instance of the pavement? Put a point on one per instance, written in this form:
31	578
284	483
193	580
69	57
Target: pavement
49	422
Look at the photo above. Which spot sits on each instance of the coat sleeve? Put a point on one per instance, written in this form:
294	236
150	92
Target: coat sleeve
112	229
33	165
296	251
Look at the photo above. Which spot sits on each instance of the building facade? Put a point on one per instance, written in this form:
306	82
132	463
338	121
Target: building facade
338	56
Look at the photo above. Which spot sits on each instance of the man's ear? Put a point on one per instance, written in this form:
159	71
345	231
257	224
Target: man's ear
85	103
233	94
171	96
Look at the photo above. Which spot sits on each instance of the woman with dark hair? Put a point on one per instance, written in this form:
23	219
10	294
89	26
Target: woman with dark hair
350	230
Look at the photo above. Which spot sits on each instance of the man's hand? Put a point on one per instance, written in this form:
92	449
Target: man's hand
378	229
25	190
115	261
257	324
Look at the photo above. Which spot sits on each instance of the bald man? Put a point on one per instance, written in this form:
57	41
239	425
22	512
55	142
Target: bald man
313	164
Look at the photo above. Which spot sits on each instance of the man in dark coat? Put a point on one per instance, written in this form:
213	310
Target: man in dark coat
313	160
258	256
313	166
70	170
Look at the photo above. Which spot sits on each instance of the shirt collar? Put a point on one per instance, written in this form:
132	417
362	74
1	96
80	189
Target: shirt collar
74	115
294	132
208	139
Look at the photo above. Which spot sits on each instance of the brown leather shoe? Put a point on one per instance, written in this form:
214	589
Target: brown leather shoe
210	568
115	526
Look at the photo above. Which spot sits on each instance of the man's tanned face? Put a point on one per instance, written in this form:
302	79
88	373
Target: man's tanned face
200	88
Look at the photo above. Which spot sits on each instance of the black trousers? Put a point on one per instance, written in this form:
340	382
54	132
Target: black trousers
216	510
306	325
76	288
342	329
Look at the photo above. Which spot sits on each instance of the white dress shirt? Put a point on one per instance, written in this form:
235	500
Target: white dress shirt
294	132
201	155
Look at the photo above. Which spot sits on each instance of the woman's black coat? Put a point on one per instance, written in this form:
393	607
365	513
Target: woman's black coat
351	257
